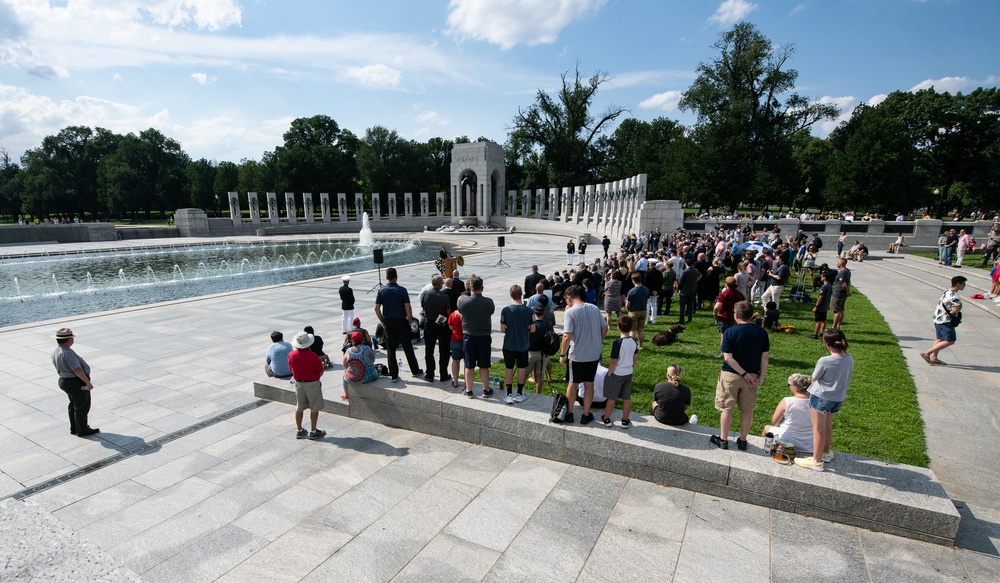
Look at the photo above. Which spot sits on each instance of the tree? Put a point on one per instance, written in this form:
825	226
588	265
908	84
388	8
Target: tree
317	156
564	131
379	161
201	179
742	121
10	186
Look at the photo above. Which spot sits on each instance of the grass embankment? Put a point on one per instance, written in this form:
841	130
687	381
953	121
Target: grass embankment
879	419
970	259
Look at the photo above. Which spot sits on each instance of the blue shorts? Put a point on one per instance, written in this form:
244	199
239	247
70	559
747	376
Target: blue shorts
945	332
823	406
457	352
477	351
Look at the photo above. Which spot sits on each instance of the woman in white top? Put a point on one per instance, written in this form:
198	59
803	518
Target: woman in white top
791	419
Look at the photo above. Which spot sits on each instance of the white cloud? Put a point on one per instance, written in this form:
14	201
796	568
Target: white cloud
666	101
846	106
374	75
946	84
731	12
205	14
511	22
204	78
799	9
426	116
876	99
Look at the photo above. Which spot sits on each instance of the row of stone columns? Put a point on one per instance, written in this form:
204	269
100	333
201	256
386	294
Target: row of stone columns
612	206
271	214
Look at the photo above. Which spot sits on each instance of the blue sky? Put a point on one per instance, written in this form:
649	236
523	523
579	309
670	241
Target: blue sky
226	77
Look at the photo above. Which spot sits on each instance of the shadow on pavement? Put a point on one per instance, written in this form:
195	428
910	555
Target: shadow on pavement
976	534
367	445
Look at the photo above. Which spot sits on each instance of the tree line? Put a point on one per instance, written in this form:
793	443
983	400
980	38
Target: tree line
749	148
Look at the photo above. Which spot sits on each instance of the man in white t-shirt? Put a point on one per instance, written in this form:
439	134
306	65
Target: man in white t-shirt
584	329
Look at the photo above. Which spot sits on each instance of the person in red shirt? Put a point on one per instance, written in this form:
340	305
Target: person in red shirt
723	309
306	372
456	345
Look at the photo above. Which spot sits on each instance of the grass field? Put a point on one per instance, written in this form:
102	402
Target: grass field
879	419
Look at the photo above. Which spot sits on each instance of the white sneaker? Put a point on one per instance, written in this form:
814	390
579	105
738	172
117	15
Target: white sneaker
509	399
693	420
520	398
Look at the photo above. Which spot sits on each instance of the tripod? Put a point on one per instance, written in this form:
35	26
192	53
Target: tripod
378	285
501	263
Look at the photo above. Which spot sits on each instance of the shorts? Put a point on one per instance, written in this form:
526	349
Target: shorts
639	319
616	387
945	332
536	362
512	357
821	405
583	372
837	304
477	351
723	325
820	317
732	390
457	350
308	395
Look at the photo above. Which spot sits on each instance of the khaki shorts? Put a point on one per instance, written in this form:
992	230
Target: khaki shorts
639	320
536	363
308	395
837	304
733	391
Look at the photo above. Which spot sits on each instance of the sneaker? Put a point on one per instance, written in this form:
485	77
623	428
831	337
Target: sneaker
586	418
468	393
301	434
741	444
809	464
693	420
317	434
429	377
719	442
606	421
813	337
828	457
520	398
487	393
509	399
394	380
569	417
626	424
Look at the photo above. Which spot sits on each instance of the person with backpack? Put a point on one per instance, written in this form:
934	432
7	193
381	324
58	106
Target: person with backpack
538	360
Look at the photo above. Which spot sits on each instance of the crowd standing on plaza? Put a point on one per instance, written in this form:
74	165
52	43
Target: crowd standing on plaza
724	274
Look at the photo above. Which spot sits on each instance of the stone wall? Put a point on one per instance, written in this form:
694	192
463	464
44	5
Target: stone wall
72	233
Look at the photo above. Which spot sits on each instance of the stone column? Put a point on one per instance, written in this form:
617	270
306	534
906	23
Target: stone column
408	205
553	203
588	204
376	207
254	208
525	203
307	206
272	207
359	206
234	209
484	206
578	205
540	203
511	203
342	207
440	205
425	205
324	206
565	201
391	202
290	207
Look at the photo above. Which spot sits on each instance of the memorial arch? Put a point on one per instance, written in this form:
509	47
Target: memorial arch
477	183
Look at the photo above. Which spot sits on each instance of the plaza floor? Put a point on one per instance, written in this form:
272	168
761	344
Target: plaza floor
193	479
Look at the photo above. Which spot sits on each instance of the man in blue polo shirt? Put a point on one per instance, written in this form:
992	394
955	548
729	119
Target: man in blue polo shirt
392	308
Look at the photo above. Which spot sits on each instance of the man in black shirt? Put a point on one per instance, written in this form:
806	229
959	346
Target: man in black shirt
437	307
532	279
687	285
653	281
581	274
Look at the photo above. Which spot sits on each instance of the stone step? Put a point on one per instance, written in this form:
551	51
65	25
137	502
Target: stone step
882	496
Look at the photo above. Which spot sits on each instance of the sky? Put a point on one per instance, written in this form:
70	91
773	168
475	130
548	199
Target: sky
225	78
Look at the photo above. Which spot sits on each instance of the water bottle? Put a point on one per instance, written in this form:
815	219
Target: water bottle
399	363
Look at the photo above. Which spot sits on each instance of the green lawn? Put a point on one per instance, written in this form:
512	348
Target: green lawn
970	259
880	417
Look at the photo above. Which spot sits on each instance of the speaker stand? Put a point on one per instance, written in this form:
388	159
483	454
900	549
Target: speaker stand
501	263
378	285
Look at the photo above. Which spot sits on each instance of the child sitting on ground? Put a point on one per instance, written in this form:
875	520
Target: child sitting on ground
771	315
618	382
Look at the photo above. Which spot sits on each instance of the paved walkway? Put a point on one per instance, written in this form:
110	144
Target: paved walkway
240	498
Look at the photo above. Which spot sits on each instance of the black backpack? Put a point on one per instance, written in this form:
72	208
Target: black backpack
560	405
551	343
